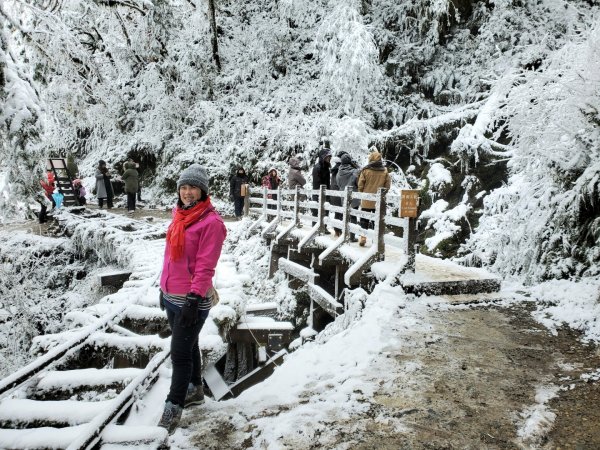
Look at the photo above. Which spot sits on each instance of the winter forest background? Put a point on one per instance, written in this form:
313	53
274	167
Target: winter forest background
490	107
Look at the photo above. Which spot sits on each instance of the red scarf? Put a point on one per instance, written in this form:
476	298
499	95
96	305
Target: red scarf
183	219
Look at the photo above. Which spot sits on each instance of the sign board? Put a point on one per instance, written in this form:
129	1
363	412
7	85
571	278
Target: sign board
409	202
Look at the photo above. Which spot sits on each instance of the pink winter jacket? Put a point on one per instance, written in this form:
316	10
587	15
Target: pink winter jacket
193	272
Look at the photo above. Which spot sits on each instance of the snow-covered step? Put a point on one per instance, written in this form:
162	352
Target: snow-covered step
127	436
26	413
145	319
325	300
42	437
60	383
114	437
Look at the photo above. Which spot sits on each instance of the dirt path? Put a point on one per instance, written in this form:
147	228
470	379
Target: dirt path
475	380
466	378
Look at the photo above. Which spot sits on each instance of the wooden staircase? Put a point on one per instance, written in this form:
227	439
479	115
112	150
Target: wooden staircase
63	180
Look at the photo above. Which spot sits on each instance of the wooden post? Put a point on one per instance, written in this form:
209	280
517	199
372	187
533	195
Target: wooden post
339	281
347	213
279	202
321	217
297	206
409	209
380	207
265	199
247	202
410	240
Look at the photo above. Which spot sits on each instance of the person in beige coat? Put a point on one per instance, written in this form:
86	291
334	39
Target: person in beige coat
372	177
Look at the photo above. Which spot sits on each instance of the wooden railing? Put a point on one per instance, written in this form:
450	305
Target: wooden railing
322	209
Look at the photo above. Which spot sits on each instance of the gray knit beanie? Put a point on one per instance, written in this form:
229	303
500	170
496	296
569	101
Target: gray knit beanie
195	175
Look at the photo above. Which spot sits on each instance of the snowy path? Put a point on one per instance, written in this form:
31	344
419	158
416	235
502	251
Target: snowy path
406	372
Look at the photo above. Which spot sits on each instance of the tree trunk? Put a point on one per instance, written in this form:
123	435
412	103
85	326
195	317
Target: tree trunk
213	27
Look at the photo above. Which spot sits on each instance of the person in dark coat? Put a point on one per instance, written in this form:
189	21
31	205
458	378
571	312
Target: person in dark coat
347	175
131	178
320	174
235	191
104	190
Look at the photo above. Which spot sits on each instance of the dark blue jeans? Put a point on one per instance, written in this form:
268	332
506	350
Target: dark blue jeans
185	354
238	204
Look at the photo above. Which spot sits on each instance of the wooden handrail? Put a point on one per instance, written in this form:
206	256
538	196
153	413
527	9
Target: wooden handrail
296	204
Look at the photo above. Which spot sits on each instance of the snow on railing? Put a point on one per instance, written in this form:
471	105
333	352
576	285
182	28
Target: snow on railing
322	208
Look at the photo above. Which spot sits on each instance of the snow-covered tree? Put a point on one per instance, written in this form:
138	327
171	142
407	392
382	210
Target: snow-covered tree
21	156
546	221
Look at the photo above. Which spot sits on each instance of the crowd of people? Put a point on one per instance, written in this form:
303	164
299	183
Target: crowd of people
103	188
334	172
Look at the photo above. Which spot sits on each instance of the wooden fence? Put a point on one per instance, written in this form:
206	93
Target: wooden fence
284	210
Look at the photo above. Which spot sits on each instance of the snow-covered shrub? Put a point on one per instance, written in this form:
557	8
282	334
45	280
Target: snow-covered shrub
33	282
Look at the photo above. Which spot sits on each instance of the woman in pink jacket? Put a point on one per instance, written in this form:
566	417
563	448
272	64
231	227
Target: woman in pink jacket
194	241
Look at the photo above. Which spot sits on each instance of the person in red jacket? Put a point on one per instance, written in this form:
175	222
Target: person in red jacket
193	246
48	186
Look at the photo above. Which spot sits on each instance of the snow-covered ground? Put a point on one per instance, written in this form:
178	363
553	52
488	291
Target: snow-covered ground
337	378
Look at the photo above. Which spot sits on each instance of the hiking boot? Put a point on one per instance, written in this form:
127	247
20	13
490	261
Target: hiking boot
170	417
362	241
194	396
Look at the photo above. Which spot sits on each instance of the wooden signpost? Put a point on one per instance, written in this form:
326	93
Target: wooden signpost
409	203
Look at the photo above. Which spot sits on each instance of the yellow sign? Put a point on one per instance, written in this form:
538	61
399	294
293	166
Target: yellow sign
409	203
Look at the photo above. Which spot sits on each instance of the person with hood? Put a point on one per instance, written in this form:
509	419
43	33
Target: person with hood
104	189
320	174
235	191
347	175
271	181
193	245
295	177
131	178
372	177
